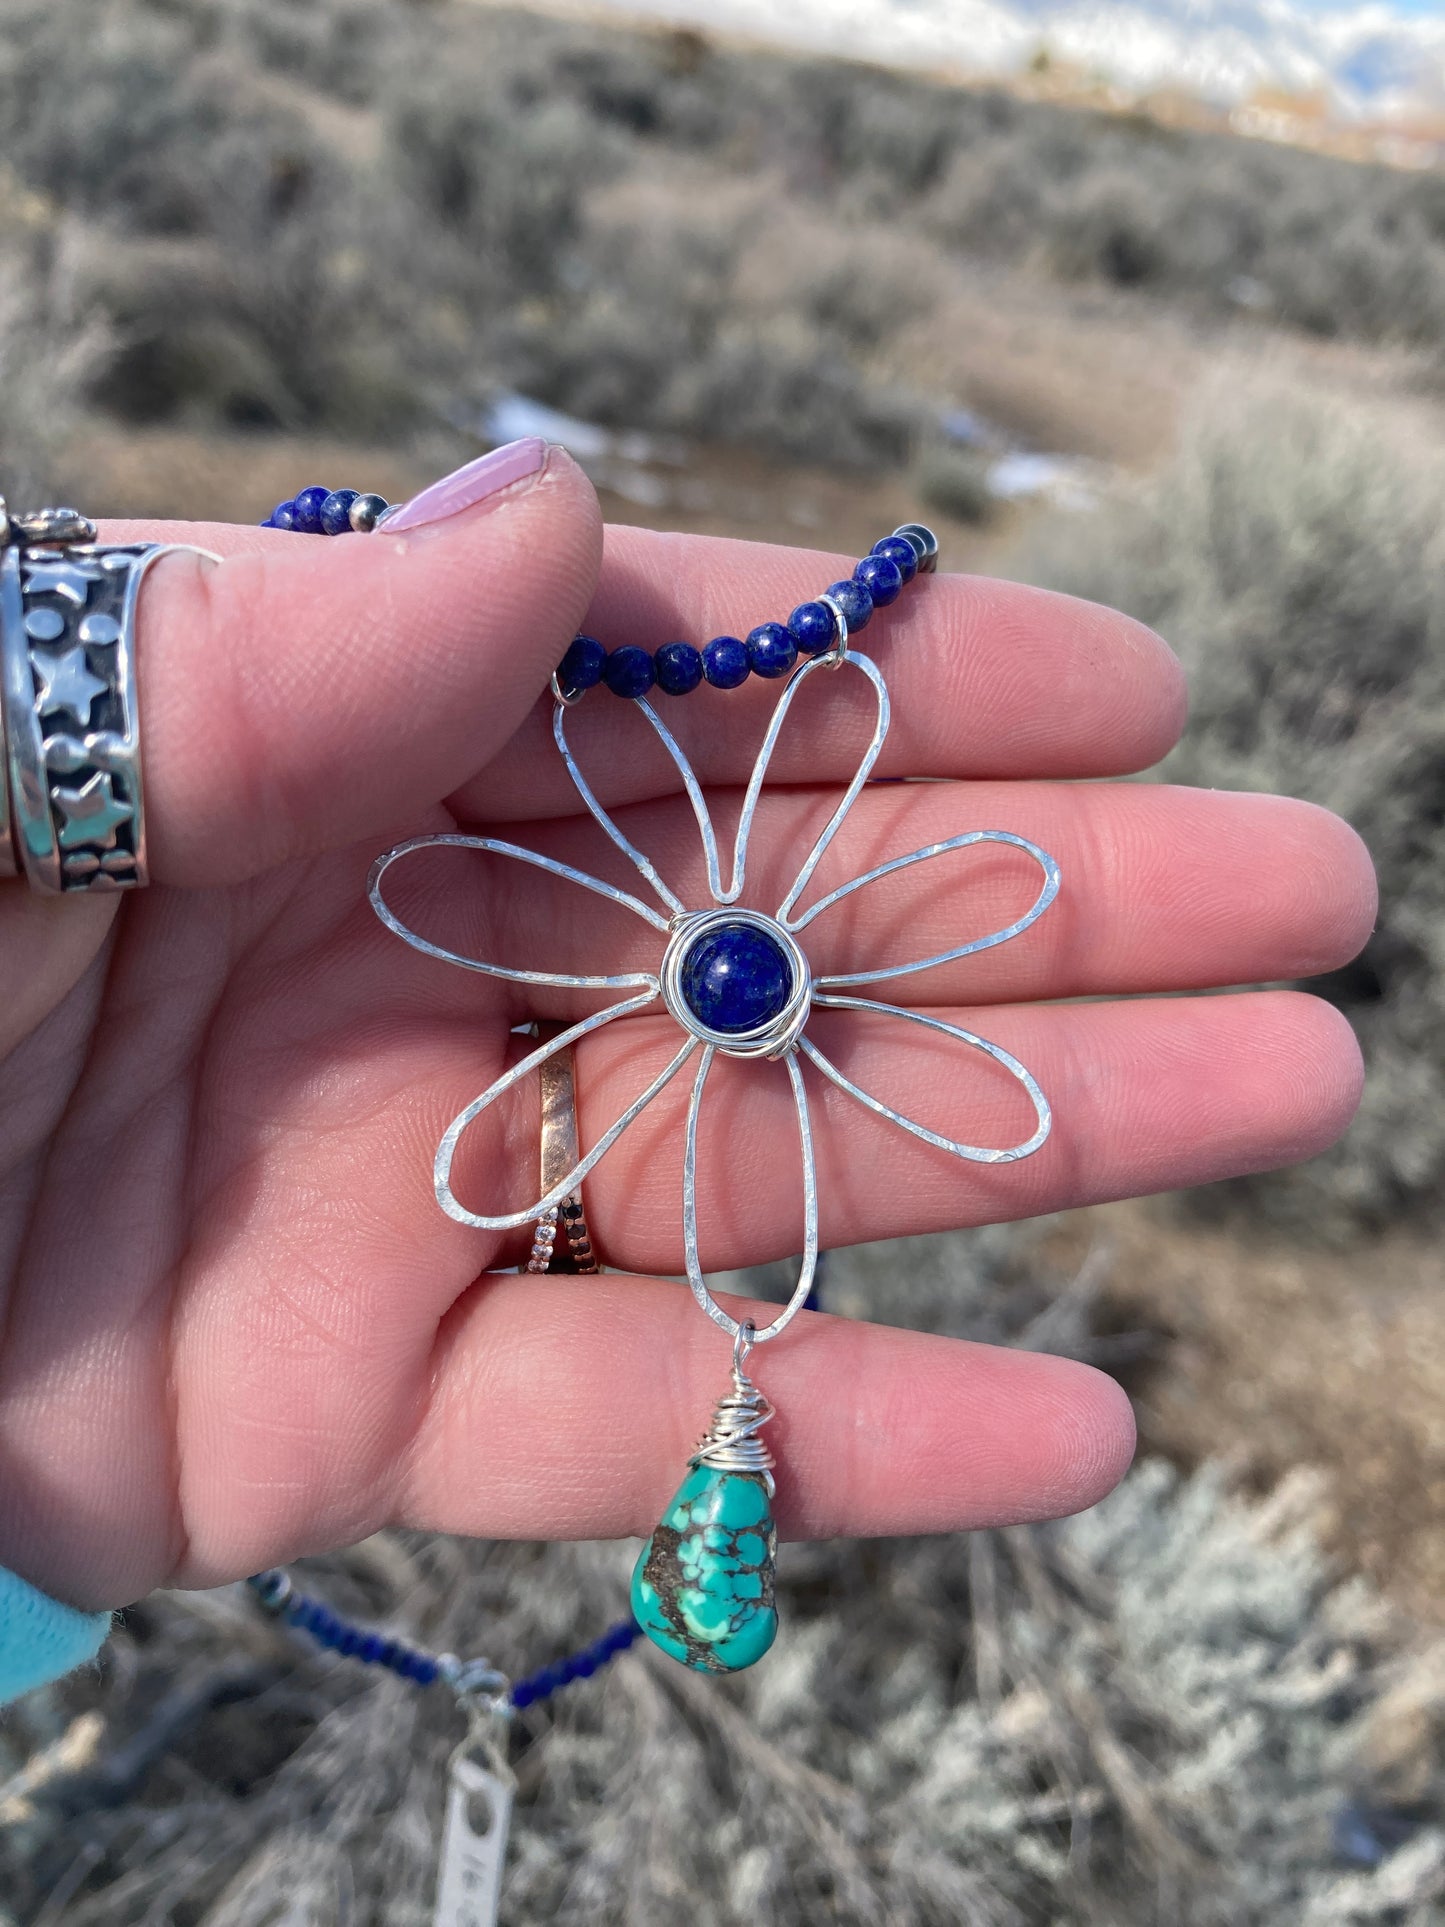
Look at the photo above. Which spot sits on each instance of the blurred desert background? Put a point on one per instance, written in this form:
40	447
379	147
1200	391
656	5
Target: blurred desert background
1180	353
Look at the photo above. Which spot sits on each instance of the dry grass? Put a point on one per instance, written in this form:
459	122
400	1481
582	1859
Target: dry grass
1274	1355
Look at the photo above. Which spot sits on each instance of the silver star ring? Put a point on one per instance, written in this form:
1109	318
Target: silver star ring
72	811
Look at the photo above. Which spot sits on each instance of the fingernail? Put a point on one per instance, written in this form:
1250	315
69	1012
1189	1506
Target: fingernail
467	486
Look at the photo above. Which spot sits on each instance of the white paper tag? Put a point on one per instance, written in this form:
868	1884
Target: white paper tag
474	1846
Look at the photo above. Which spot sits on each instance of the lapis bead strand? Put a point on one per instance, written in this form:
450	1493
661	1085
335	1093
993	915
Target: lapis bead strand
677	668
328	511
541	1685
773	648
327	1627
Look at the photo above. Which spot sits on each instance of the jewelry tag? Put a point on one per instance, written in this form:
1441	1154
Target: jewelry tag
474	1844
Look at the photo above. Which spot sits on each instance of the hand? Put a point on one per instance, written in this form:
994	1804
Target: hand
234	1325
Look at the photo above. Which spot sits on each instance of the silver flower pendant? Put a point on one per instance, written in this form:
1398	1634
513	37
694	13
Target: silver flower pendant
736	981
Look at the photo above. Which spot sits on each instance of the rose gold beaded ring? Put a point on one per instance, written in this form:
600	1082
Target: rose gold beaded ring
572	1252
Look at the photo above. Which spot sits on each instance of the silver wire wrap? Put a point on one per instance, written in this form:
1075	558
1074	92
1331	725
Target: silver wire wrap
731	1442
836	654
779	1034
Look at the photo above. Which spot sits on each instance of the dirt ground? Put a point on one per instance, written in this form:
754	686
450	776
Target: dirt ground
1278	1356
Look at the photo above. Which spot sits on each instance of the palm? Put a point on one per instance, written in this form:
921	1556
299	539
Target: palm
238	1327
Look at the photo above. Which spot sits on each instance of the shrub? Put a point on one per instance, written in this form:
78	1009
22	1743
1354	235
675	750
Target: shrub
50	347
1294	555
405	200
955	482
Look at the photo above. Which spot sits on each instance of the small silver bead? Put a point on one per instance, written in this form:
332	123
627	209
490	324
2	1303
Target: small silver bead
366	511
924	543
275	1590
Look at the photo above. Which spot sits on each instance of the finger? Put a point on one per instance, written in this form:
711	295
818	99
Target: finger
310	1385
987	679
305	693
1162	889
46	946
567	1410
1146	1097
555	1408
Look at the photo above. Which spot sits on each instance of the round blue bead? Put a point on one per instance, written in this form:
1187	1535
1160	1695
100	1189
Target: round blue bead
813	627
679	668
307	510
771	649
283	516
735	977
881	577
725	662
523	1693
900	550
628	671
336	511
421	1669
349	1642
371	1649
581	667
855	602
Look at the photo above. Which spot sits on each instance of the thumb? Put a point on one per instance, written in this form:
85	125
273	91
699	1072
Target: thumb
306	692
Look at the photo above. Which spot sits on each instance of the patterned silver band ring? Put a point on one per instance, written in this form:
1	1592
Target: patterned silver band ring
72	733
70	714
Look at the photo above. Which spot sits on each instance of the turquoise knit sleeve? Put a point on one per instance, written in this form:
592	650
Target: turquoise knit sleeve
40	1639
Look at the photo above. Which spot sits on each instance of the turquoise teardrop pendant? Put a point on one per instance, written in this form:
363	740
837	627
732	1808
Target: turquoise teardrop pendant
702	1589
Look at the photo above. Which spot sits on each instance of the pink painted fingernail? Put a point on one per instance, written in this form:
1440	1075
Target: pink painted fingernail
467	486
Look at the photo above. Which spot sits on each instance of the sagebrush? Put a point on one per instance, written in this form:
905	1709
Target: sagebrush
346	216
1294	555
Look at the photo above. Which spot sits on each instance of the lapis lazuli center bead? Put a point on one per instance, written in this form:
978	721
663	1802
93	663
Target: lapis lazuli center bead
735	978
